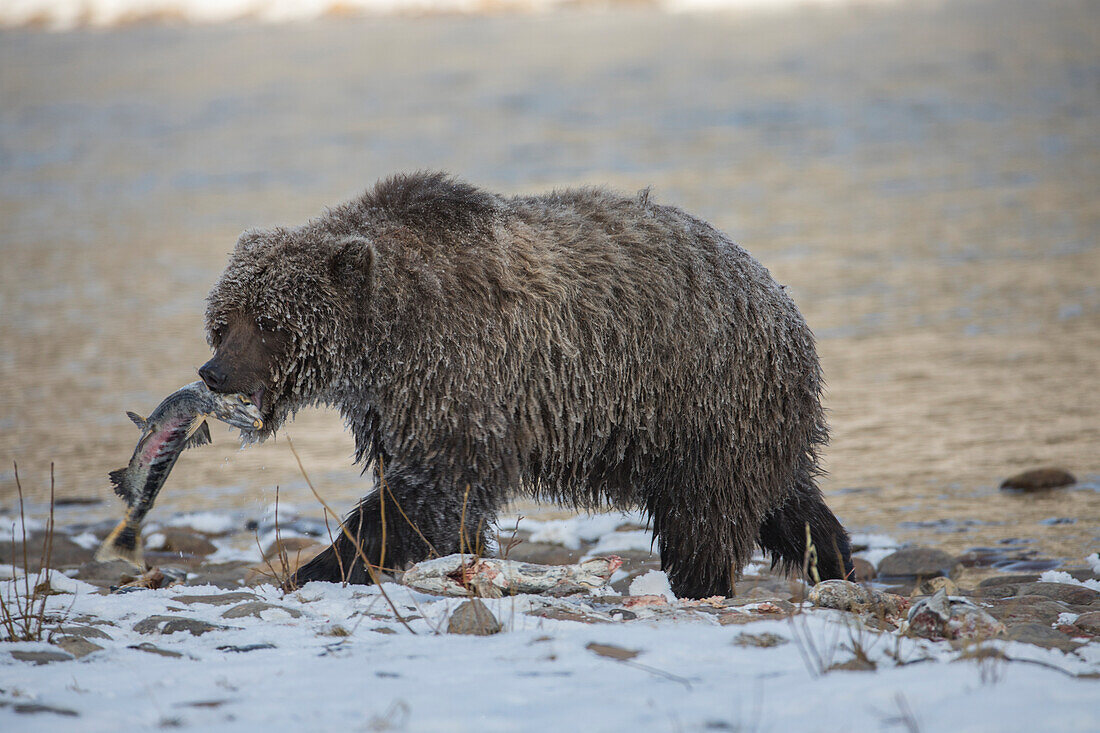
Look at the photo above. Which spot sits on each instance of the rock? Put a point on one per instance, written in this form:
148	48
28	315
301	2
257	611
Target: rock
932	585
88	632
844	595
228	575
43	657
1026	609
173	624
999	580
1042	635
106	574
293	547
1075	594
946	617
153	649
473	617
862	570
918	562
31	708
78	646
1039	479
257	608
217	599
64	553
1089	622
611	651
245	648
762	641
183	541
545	553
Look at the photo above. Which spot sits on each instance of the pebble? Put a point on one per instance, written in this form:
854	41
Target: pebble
1039	479
473	617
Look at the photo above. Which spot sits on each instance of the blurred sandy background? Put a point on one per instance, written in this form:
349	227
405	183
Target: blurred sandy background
925	176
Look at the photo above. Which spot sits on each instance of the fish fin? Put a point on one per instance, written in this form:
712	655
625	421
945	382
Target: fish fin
201	436
118	478
124	543
136	419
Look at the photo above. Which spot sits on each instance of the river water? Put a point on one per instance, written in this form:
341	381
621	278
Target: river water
924	176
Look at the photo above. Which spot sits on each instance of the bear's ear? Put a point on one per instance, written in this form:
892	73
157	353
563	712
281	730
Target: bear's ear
249	240
352	264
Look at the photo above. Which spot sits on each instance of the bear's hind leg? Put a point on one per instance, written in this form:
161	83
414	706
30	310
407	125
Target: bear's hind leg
783	534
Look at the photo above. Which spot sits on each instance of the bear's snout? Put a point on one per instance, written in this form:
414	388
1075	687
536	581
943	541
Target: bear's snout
214	376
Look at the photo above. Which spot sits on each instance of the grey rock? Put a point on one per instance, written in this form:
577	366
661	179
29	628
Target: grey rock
844	595
256	608
44	657
181	541
762	641
173	624
245	647
999	580
78	646
31	708
918	562
1039	479
104	574
228	575
473	617
1026	609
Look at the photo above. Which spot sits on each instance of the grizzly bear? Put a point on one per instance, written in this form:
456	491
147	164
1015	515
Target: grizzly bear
579	346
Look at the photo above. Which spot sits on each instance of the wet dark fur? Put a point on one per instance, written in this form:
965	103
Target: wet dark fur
579	346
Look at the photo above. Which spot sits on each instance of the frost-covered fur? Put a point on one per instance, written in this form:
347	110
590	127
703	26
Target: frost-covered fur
579	346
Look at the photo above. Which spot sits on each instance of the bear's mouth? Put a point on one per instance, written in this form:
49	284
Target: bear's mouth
257	398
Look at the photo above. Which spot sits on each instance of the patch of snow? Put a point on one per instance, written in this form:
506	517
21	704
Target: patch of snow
878	546
1094	562
631	540
13	523
210	522
1066	619
1059	576
653	583
87	540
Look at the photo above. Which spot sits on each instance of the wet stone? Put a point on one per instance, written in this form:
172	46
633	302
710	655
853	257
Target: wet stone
473	617
257	608
862	570
1042	635
78	646
173	624
43	657
918	562
998	580
217	599
1039	479
294	547
227	575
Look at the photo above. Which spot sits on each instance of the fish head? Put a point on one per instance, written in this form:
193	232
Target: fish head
237	410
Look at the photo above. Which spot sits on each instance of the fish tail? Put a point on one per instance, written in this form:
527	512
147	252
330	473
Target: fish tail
118	478
123	543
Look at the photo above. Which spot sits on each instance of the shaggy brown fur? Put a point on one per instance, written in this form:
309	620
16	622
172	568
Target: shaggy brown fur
579	346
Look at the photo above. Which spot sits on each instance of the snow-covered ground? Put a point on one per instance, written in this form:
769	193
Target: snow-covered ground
335	658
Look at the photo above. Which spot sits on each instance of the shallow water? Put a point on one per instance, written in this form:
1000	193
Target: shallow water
925	179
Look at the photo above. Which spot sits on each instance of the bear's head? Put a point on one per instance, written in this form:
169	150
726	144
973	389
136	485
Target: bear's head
280	320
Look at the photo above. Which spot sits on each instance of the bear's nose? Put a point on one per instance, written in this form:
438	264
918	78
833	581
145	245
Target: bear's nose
213	375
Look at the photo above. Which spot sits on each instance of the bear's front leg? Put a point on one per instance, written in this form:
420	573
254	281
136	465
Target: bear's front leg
422	520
